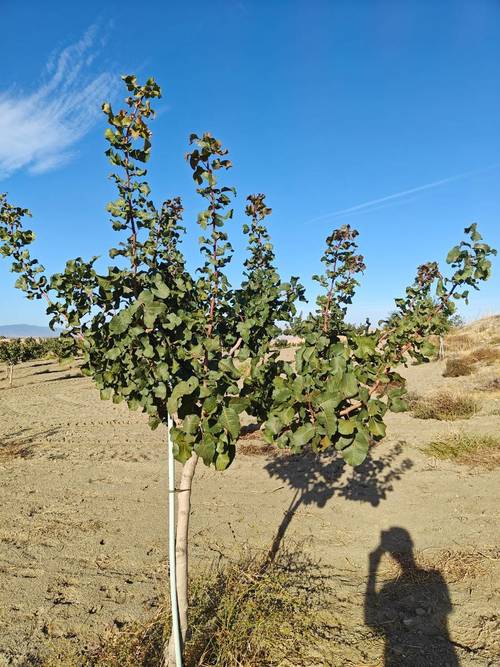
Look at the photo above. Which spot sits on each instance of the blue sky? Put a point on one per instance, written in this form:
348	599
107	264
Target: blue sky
325	106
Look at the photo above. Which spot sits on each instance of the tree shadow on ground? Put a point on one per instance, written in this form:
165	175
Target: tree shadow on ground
43	362
410	610
37	382
316	478
22	443
51	369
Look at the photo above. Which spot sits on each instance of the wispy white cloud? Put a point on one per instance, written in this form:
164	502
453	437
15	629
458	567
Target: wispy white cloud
39	129
375	204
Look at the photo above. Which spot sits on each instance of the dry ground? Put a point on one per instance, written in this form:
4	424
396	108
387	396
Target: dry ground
83	521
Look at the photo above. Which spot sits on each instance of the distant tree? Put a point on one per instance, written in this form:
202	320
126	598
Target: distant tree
33	348
456	321
62	348
12	353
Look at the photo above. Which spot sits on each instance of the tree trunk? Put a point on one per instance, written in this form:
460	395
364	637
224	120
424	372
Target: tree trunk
181	552
11	373
441	348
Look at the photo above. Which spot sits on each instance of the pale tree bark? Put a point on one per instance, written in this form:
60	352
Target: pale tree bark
181	553
11	373
441	348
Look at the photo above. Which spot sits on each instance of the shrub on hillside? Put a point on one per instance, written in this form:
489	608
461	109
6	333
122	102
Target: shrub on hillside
456	367
490	385
487	355
459	342
445	406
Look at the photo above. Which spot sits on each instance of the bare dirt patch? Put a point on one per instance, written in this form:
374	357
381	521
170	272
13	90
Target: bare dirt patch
83	524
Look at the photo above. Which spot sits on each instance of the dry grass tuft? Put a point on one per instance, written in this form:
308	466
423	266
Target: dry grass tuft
492	384
459	342
484	329
474	450
487	355
16	449
248	612
257	448
445	406
476	343
412	399
460	565
456	367
454	566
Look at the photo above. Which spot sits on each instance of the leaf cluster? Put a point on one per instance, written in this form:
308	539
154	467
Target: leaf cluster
342	380
193	346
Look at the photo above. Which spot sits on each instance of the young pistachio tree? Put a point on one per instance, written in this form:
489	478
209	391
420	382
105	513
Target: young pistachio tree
193	350
12	353
182	348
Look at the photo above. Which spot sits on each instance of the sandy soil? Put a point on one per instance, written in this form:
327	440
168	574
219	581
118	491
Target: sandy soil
83	523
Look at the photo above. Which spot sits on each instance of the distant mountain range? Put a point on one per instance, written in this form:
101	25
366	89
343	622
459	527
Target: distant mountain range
25	331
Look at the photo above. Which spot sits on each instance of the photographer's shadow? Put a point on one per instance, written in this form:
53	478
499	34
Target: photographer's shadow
411	609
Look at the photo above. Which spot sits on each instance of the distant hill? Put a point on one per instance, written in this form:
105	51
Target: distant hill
25	331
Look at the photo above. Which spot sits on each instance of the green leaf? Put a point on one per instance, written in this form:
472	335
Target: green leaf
376	407
349	385
210	404
183	388
328	419
226	365
206	448
453	255
239	404
151	312
376	428
356	453
230	421
160	390
341	442
365	345
287	415
281	395
428	349
154	422
398	405
211	344
474	234
181	448
120	322
302	436
346	426
273	425
222	461
190	424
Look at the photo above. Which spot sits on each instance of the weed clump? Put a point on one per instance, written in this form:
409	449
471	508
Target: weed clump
459	342
464	365
454	565
476	450
456	367
250	611
445	406
490	385
487	355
